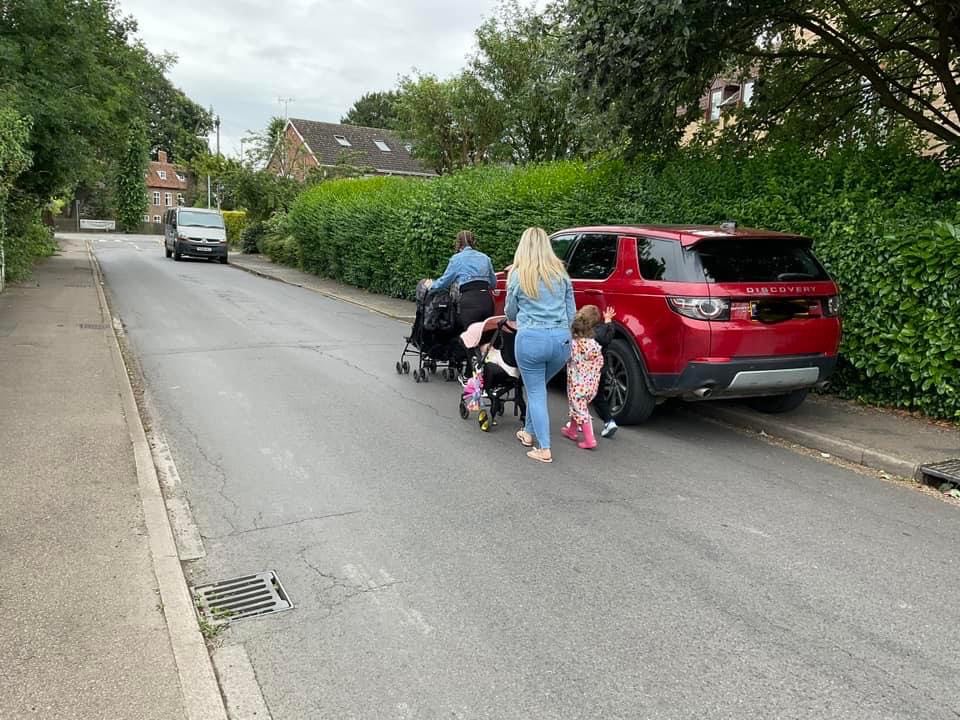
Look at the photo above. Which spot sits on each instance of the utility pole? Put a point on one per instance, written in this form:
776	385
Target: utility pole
286	102
217	125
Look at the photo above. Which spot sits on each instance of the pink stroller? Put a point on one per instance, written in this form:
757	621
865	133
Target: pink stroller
494	379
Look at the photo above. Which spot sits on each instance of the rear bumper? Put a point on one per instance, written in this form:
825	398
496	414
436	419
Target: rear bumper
746	377
214	250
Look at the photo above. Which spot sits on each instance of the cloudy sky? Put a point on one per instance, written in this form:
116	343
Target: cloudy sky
240	56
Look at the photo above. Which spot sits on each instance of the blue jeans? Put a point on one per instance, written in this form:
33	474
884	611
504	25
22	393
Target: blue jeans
541	354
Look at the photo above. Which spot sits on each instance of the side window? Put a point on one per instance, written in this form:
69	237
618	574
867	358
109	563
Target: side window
594	257
561	245
663	260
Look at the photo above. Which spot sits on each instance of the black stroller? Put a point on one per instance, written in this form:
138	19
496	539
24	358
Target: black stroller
434	340
495	380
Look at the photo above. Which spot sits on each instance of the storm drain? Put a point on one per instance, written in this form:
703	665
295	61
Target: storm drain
93	326
242	597
946	471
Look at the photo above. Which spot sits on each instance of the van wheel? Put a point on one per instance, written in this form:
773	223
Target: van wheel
224	260
176	252
631	403
166	251
774	404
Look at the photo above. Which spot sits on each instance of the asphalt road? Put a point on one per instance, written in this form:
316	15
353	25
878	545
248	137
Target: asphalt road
683	570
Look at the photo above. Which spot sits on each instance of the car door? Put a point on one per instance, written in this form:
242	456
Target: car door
590	263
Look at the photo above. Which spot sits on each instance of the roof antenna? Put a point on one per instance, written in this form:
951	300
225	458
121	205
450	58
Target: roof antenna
729	226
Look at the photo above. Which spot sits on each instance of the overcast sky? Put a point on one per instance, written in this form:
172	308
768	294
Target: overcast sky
241	55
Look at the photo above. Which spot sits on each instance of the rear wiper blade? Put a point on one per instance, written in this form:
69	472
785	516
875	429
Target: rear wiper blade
794	276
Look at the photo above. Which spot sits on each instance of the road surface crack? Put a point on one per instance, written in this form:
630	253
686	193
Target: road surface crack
259	528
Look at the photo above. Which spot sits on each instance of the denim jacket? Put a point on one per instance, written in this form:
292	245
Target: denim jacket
554	308
466	266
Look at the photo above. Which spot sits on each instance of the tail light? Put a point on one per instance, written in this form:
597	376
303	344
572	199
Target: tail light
699	308
831	306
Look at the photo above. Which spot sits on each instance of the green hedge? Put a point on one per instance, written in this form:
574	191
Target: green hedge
875	214
235	221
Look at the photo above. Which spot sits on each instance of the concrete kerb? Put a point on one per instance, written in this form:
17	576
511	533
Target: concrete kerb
198	683
842	449
325	293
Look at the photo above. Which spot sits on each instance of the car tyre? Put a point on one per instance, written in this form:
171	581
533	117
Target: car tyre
631	401
224	260
775	404
176	252
166	251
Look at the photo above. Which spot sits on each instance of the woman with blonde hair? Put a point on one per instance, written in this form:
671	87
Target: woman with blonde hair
540	300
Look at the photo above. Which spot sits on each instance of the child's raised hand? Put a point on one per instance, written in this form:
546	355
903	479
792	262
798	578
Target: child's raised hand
609	314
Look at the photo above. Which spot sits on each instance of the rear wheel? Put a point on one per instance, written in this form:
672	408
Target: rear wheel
631	403
774	404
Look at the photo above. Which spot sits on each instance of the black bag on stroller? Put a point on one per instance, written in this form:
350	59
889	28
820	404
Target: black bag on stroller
433	339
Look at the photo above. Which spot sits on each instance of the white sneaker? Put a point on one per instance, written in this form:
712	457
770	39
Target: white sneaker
609	430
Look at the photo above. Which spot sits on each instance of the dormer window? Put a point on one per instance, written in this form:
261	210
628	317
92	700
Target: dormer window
162	174
408	147
342	141
181	177
382	145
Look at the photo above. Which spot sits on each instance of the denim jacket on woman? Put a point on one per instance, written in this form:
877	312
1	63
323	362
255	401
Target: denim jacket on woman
553	308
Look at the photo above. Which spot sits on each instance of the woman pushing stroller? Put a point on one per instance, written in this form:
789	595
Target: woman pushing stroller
473	272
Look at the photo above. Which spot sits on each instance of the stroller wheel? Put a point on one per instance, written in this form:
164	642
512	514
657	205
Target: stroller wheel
424	375
406	367
464	413
433	367
416	376
484	421
399	368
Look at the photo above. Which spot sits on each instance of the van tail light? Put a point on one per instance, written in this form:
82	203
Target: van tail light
700	308
831	306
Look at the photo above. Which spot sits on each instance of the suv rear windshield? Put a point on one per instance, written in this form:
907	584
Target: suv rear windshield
200	219
757	260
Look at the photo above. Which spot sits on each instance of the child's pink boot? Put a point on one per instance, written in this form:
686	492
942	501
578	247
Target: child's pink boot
589	441
571	431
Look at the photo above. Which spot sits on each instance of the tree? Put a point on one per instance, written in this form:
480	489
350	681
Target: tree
14	159
175	123
374	110
828	68
522	59
451	123
131	184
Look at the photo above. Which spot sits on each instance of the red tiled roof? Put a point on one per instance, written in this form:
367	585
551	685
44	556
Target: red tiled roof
154	181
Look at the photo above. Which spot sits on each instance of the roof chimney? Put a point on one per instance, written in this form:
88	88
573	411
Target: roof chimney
161	156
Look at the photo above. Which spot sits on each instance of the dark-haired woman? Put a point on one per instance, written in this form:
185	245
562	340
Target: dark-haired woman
473	272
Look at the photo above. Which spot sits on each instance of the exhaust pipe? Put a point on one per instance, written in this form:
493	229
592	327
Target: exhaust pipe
823	386
703	393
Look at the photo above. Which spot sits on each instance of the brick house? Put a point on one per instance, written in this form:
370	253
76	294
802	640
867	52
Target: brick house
167	186
309	144
724	95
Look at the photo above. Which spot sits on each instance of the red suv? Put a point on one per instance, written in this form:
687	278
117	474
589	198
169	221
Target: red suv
705	312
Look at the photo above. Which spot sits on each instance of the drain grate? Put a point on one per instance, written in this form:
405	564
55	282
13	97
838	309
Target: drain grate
242	597
93	326
948	470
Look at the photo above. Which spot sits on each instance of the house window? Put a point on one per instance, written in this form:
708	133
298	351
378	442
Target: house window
748	92
342	140
168	199
146	218
382	145
408	147
181	177
162	174
156	197
716	97
156	218
179	198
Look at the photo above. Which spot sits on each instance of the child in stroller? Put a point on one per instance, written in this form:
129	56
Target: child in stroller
495	379
433	339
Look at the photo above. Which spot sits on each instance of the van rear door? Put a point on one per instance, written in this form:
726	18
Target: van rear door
782	302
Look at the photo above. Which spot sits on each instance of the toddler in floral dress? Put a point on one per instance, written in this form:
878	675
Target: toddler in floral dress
583	376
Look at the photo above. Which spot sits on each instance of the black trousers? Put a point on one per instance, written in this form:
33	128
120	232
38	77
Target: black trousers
600	403
476	305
